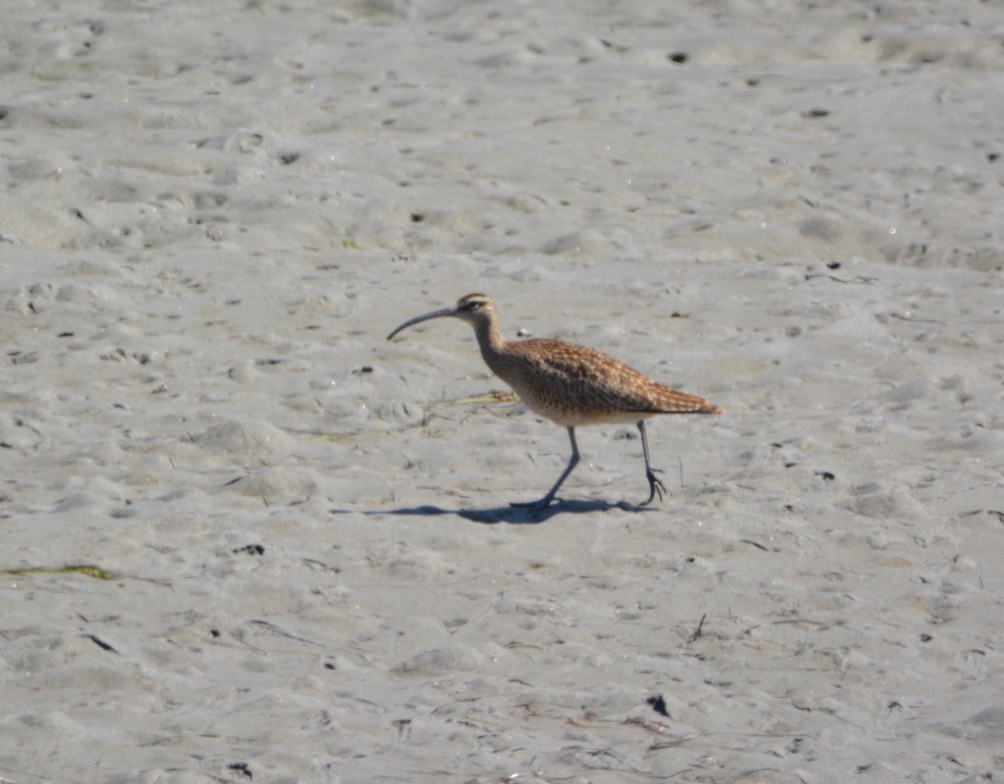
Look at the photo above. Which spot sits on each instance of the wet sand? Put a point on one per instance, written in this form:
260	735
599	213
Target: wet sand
306	567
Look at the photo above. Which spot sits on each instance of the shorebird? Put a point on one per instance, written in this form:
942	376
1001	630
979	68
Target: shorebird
569	384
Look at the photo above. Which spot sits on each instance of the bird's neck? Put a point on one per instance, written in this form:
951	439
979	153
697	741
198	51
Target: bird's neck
491	343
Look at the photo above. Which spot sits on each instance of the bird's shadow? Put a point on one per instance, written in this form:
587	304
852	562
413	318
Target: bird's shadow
514	515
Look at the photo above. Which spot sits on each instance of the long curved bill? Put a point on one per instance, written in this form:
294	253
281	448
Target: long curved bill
426	317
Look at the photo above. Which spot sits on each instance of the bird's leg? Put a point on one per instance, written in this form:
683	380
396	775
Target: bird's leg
546	500
654	485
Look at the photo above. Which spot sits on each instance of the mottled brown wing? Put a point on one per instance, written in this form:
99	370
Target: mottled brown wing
562	379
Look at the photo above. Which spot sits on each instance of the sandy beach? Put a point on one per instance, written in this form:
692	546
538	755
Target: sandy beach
246	538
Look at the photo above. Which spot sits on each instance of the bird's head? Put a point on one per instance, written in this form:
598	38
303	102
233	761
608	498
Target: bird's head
475	309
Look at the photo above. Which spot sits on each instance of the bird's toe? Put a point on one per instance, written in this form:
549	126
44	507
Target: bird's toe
655	486
532	506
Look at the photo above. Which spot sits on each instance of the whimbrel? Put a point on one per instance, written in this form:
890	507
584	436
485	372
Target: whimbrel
570	385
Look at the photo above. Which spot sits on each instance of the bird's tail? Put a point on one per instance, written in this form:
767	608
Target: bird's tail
672	401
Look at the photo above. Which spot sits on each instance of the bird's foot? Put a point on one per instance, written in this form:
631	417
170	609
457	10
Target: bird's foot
533	506
655	485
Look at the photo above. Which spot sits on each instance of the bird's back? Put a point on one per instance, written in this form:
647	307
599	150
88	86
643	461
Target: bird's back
576	385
